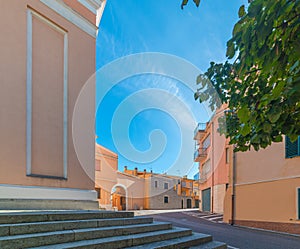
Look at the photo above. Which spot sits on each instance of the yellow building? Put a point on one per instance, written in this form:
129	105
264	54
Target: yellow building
264	188
47	55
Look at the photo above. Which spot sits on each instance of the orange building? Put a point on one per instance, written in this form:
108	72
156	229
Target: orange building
47	55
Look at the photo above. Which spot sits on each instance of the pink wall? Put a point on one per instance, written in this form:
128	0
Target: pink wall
47	82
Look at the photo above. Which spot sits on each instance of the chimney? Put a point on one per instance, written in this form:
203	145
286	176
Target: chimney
145	171
125	169
135	171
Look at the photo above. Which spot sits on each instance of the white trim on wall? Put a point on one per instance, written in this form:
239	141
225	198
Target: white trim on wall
45	193
29	92
30	14
90	5
72	16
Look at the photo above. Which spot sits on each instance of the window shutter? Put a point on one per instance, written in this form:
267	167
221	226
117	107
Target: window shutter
291	148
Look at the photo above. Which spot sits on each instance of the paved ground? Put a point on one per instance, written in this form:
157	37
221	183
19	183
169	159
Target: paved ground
235	237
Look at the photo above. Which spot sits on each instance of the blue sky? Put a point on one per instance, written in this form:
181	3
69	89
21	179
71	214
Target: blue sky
149	119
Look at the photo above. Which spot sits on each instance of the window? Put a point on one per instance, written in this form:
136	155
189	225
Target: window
166	199
155	184
206	142
98	190
166	185
227	155
292	149
206	167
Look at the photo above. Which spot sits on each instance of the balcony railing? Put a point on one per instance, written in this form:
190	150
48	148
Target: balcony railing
200	153
199	130
203	178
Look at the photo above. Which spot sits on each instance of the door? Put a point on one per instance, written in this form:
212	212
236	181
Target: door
196	203
206	200
188	203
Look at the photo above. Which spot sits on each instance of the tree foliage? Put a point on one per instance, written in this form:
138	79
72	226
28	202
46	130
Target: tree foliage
260	81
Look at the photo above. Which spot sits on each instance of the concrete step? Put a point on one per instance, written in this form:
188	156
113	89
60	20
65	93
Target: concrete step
25	217
183	242
57	237
49	226
211	245
123	241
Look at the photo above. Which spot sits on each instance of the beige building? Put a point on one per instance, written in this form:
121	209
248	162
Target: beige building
116	190
165	191
264	188
133	189
47	54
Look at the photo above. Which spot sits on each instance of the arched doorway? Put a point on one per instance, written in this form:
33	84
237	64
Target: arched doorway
119	197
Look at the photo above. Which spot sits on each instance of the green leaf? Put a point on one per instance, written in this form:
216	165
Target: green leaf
277	91
267	127
273	117
230	49
278	139
197	2
243	114
242	11
245	130
183	3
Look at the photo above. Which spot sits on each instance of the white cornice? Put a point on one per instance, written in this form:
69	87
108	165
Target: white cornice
91	5
72	16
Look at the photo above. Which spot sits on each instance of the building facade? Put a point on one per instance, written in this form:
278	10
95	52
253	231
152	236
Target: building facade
167	192
47	54
264	189
253	188
212	151
116	190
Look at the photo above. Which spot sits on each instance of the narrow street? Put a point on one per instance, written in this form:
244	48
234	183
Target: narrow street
235	237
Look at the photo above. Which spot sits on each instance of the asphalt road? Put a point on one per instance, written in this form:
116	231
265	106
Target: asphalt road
235	237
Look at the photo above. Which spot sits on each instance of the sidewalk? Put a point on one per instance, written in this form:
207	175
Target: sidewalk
149	212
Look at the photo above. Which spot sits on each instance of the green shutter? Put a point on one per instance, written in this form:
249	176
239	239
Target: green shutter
291	148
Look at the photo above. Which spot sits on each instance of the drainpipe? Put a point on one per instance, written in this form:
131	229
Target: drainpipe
233	195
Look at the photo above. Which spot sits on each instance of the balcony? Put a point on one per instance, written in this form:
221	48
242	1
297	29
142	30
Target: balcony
200	154
199	132
203	179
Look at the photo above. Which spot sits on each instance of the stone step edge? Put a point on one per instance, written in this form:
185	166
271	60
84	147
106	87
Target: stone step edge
66	236
48	226
123	241
25	217
184	242
211	245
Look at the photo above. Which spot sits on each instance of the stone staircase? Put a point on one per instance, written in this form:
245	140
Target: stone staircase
95	229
